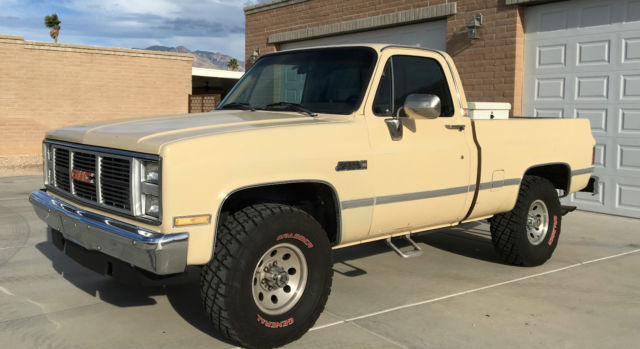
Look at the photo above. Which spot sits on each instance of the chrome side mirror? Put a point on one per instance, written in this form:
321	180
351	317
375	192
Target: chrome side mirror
422	106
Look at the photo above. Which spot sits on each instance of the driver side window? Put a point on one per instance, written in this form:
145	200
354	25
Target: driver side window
405	75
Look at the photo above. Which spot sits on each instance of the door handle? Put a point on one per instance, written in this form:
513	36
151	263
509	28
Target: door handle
455	127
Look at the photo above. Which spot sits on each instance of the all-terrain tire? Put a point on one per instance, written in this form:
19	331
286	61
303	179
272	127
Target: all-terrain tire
228	282
521	236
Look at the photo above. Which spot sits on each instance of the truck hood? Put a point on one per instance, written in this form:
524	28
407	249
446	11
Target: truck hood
148	135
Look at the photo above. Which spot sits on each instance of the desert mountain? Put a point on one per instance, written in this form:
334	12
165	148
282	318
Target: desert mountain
202	59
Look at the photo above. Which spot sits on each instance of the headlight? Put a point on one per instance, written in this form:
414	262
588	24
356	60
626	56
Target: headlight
151	205
148	190
151	172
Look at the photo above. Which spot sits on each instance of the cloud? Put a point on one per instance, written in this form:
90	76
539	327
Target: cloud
253	2
198	27
154	7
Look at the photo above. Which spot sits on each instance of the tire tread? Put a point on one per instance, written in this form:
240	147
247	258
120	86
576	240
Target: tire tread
231	236
505	226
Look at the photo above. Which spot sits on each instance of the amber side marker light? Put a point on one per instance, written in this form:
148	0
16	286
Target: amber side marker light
191	220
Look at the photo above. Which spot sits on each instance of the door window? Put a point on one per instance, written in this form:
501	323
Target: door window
404	75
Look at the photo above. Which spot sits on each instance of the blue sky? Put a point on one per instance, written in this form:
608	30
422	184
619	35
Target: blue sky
210	25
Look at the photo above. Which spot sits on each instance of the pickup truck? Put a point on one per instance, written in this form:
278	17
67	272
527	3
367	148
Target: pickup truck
313	150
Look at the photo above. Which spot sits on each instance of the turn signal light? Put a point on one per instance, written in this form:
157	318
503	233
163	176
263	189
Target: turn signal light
191	220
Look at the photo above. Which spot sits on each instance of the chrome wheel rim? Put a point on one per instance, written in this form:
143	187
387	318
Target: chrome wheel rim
537	222
279	279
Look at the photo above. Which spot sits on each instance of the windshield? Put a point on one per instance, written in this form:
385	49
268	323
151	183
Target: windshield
331	80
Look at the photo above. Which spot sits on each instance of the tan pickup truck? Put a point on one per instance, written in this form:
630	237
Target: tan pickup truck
312	150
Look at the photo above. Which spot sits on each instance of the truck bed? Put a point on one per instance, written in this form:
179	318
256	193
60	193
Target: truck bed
505	150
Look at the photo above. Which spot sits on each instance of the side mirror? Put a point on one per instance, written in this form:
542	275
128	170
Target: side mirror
422	106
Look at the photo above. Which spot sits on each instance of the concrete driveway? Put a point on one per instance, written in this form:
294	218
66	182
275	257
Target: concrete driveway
456	295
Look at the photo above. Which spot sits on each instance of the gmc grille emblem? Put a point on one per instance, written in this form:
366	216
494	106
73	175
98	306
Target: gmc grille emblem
82	176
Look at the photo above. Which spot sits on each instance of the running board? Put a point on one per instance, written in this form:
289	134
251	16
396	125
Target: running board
566	209
414	252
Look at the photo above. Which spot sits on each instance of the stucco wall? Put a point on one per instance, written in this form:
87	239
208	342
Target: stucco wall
45	86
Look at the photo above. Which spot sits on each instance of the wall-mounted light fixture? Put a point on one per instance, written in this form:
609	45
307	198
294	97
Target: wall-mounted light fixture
472	27
254	56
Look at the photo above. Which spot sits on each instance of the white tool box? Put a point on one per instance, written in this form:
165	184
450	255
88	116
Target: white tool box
489	110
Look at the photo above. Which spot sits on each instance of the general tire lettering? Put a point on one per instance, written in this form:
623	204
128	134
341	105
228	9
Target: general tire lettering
275	324
296	236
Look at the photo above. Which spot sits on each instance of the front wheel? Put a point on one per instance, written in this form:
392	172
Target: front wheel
270	276
528	234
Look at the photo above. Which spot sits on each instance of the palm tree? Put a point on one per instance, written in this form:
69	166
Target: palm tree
233	64
54	23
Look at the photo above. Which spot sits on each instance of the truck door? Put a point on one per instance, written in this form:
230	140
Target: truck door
423	178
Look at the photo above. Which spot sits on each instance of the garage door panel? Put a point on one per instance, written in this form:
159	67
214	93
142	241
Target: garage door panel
628	59
582	59
589	88
629	121
629	158
553	20
632	11
596	15
627	197
549	89
630	87
593	52
552	56
631	50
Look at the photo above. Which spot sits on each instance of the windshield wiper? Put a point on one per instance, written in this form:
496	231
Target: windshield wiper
294	106
236	105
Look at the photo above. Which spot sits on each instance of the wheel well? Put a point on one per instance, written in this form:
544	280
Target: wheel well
317	199
558	174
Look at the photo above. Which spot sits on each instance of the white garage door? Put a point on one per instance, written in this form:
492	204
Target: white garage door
582	59
428	35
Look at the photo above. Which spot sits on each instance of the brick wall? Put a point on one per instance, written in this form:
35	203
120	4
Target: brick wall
491	67
45	86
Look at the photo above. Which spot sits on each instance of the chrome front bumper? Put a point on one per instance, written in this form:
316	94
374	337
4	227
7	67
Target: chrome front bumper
160	254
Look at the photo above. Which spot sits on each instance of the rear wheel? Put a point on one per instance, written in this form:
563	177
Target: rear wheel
270	276
528	234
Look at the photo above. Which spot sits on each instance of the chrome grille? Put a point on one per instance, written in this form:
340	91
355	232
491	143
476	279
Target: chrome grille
93	176
114	182
61	173
85	162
